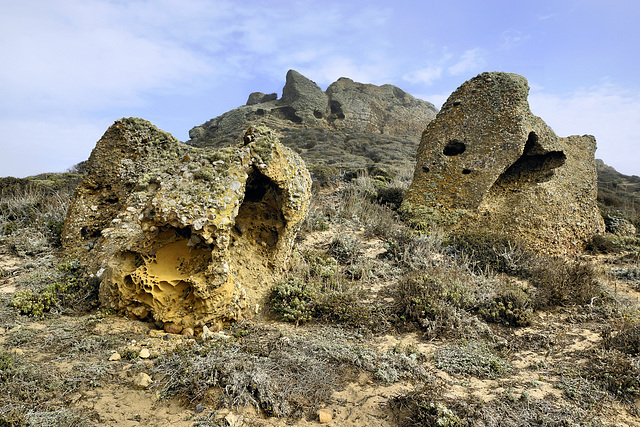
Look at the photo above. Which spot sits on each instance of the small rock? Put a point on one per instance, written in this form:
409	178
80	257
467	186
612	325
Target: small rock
172	328
324	416
144	353
206	333
142	381
17	351
187	332
233	419
115	357
199	408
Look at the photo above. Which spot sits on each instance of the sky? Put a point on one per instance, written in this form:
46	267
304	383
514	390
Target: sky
70	68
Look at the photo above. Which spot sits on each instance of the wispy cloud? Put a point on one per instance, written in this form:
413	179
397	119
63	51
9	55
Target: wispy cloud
471	60
424	76
607	111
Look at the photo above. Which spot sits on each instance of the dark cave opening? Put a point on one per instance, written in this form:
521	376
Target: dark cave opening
535	165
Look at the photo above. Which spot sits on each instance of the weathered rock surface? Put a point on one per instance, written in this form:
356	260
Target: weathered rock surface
186	235
346	104
486	162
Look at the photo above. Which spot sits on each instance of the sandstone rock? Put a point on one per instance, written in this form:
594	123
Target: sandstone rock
191	235
172	328
142	381
187	332
487	163
144	353
325	416
115	357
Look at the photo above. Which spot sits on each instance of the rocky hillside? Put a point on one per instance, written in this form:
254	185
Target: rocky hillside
349	127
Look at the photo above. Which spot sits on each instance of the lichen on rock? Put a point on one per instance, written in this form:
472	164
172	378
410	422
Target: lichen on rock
486	162
182	234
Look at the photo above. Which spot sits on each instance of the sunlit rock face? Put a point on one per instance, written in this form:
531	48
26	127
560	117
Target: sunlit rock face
186	235
487	163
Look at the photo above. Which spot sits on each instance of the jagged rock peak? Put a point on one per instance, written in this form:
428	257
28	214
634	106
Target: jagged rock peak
487	163
346	104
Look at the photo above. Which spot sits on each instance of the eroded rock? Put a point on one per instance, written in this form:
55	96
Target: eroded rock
487	163
186	235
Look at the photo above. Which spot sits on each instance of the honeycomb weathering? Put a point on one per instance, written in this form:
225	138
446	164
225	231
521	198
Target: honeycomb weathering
196	235
486	162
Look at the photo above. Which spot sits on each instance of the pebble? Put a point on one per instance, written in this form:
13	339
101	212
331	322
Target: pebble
187	332
324	416
144	353
172	328
142	380
17	351
115	357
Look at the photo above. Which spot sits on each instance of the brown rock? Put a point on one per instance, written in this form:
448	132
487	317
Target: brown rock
487	163
186	235
172	328
325	416
142	380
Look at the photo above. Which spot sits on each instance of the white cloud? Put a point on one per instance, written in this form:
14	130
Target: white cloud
608	112
425	76
471	60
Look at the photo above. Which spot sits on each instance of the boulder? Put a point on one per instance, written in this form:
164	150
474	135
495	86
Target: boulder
486	162
260	97
186	235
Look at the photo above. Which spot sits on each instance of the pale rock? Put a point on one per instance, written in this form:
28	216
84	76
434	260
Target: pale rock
325	416
115	357
142	380
144	353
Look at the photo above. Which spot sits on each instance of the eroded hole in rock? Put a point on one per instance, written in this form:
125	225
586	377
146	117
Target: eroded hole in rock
425	169
536	165
454	148
287	113
466	171
260	112
256	234
260	221
336	109
164	279
317	114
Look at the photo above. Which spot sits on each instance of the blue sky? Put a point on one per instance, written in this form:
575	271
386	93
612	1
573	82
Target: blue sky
72	67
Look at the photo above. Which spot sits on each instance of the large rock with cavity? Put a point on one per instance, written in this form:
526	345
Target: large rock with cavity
181	234
487	163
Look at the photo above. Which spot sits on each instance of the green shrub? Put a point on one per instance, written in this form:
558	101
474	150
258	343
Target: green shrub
495	251
293	300
345	248
68	287
512	306
626	339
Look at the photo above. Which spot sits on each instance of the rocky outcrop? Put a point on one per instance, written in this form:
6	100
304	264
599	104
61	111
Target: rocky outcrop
183	235
345	105
486	162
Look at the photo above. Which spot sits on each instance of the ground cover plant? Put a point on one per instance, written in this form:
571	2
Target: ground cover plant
375	321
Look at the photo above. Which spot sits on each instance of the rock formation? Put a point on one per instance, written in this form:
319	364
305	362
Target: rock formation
349	128
487	163
186	235
360	107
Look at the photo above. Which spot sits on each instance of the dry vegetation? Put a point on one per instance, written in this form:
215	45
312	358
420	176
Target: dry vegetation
378	323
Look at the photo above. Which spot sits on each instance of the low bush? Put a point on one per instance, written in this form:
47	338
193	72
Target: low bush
512	306
474	359
65	287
